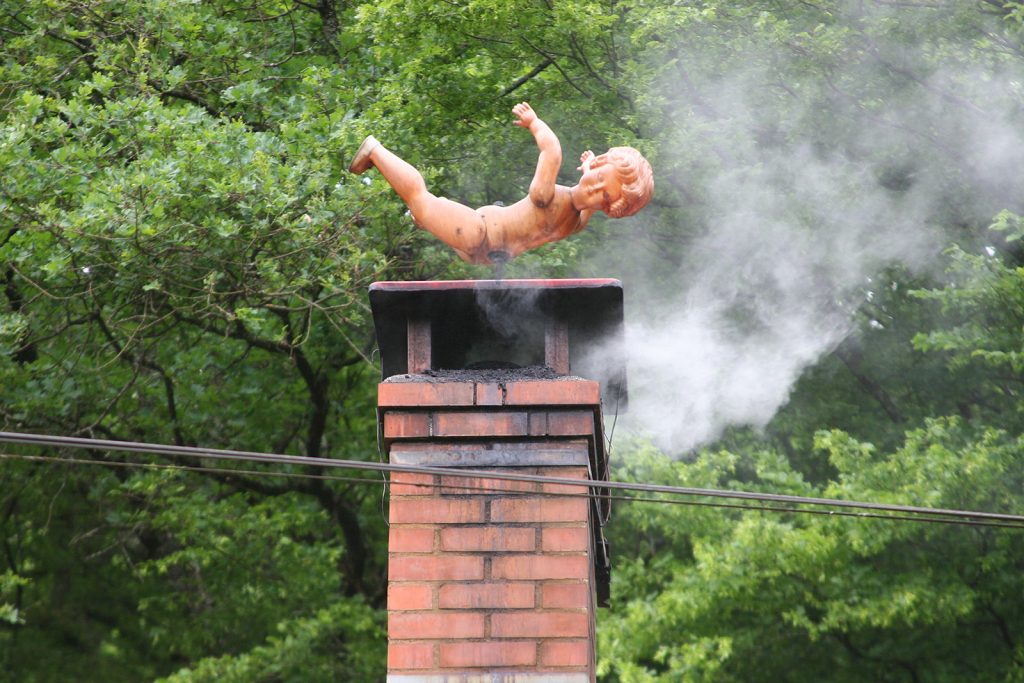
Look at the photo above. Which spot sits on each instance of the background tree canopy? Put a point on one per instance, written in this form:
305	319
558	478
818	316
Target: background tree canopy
825	297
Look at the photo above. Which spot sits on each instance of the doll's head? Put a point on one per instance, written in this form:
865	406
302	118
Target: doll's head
635	178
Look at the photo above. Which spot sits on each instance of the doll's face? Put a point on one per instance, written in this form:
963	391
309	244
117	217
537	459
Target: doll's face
599	186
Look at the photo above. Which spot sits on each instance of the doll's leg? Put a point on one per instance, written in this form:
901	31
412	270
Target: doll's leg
457	225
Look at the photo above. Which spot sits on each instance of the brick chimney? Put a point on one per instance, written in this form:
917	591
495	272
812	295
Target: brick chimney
488	579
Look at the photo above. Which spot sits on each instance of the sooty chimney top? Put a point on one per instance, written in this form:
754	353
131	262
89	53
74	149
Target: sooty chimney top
570	326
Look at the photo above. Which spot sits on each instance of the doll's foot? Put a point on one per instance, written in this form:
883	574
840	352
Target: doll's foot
361	161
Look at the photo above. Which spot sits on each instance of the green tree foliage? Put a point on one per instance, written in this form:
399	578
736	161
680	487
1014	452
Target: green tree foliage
920	405
181	264
184	260
715	596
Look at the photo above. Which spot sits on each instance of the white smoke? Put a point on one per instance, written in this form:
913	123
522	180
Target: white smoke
789	237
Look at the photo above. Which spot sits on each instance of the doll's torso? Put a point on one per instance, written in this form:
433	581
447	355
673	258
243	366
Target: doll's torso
524	225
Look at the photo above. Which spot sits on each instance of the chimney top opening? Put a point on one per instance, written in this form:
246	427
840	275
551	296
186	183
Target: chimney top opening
570	326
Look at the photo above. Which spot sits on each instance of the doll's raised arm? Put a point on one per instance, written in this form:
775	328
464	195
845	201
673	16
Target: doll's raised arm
542	187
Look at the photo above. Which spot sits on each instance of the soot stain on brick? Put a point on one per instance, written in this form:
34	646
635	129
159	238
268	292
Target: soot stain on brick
489	375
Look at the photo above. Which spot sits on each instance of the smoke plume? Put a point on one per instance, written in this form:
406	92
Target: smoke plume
801	208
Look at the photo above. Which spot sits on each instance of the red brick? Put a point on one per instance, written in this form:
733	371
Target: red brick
453	485
489	394
410	596
568	490
538	424
399	425
407	484
418	344
540	567
559	392
423	625
448	424
571	423
404	539
436	568
489	539
556	346
399	449
538	510
564	653
486	595
477	655
565	539
540	625
415	394
437	511
565	596
574	423
567	473
410	656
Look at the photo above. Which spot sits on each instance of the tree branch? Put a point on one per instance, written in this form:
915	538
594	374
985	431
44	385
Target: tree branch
554	63
351	563
189	97
850	355
520	82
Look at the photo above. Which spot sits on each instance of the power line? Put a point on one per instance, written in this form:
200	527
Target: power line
1016	521
505	492
185	468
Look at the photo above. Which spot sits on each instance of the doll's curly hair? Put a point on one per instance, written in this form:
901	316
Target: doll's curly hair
636	177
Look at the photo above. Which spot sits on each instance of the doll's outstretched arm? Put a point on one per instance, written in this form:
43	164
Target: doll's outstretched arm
542	187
